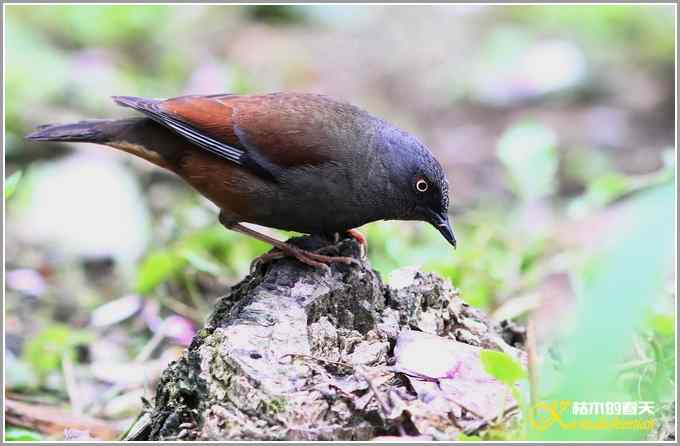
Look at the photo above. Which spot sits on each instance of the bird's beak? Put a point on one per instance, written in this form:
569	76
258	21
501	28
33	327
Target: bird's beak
441	222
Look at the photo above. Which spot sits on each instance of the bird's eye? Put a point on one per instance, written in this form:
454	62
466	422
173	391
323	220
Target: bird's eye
421	185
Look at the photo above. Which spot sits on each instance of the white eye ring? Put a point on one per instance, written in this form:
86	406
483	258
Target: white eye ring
421	185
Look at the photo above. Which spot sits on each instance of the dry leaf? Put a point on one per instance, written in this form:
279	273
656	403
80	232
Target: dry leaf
54	421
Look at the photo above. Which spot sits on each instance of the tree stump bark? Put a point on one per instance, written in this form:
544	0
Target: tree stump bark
295	353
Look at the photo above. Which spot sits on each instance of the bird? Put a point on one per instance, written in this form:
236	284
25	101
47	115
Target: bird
294	161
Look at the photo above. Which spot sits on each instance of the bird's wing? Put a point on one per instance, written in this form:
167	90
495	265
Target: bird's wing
189	126
264	133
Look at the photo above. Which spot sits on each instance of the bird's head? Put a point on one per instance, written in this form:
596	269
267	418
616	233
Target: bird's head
420	181
429	196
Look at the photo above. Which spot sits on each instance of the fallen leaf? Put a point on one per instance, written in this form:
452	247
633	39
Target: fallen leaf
54	421
116	311
445	372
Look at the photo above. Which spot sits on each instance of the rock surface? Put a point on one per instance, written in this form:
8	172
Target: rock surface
294	353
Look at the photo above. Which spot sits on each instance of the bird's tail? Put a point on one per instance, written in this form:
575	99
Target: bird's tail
139	136
96	131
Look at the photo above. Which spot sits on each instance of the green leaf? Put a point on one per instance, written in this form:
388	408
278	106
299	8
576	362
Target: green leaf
608	188
463	437
663	324
11	184
158	267
626	277
45	351
502	366
18	434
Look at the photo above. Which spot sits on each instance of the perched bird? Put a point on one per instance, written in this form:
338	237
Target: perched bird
293	161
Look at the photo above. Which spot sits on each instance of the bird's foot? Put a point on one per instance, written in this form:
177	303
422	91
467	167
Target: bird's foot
311	258
266	258
316	256
361	240
315	259
353	233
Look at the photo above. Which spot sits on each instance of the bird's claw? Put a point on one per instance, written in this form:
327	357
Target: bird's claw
265	259
314	259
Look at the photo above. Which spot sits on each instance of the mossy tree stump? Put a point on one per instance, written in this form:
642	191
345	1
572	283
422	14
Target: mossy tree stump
294	353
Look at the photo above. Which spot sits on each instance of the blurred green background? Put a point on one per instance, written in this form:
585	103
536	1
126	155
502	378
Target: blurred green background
555	125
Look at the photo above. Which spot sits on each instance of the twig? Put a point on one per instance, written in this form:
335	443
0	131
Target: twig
467	409
501	413
639	350
317	359
140	424
383	406
180	308
71	384
150	346
532	360
485	422
627	366
196	298
143	355
435	380
341	392
378	398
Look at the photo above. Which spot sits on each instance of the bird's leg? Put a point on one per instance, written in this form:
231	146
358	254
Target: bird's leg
355	234
361	240
282	246
306	257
